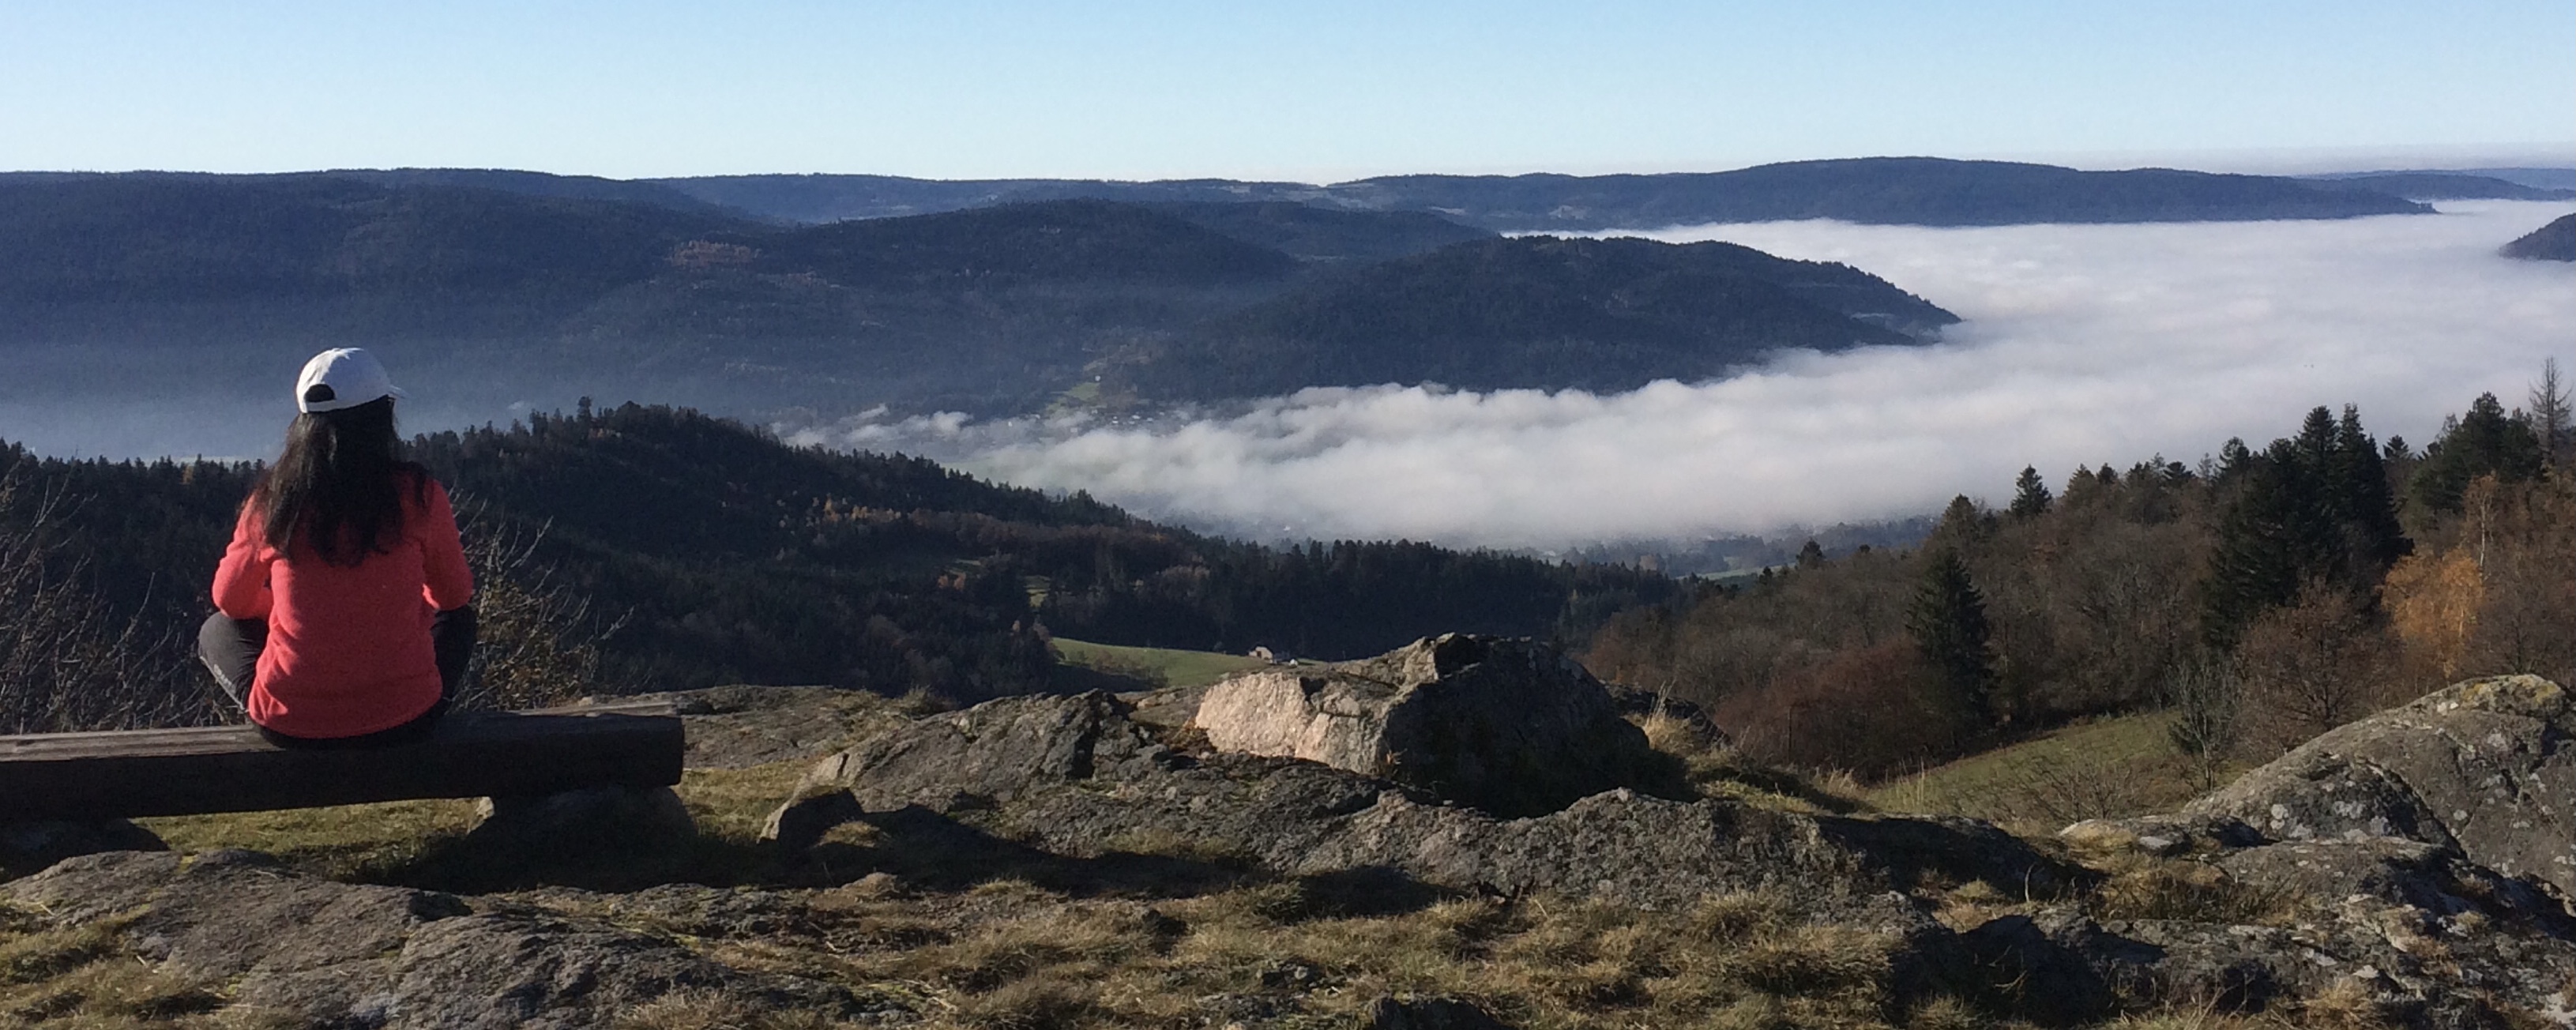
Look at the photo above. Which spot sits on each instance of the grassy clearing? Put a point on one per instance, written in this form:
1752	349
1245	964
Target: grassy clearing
1159	666
2101	768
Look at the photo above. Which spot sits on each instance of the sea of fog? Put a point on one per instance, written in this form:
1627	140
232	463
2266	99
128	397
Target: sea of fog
2083	344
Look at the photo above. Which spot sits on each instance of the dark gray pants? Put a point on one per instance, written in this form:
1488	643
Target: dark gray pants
230	648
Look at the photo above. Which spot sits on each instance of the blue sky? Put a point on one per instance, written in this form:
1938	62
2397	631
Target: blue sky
1311	91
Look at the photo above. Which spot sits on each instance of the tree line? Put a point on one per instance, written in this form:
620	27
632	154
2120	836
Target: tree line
650	548
2262	596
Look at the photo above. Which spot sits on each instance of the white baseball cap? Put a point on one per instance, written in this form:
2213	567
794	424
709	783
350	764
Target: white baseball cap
342	377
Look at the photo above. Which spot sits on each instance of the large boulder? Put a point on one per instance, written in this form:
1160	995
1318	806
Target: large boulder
2485	767
1510	726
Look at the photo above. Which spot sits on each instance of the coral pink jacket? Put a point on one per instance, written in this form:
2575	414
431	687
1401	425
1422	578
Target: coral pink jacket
348	646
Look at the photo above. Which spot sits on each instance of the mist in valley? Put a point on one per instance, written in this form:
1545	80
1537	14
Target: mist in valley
2086	344
2092	344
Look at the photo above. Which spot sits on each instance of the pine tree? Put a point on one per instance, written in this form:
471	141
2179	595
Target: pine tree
2316	507
2030	495
1962	523
2256	566
2485	441
1811	556
1948	623
2233	458
2367	505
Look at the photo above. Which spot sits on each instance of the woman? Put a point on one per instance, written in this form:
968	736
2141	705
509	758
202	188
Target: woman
341	606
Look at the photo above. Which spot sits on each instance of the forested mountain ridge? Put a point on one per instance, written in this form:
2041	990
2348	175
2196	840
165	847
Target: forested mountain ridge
1883	190
731	557
131	239
1312	233
993	310
2440	186
1542	312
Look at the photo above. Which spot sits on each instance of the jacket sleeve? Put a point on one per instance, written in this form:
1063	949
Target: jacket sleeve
450	582
241	579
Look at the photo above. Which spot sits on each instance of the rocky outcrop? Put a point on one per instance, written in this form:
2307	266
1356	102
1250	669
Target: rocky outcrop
2486	768
586	820
736	727
2403	870
1392	1013
320	953
1509	726
1075	776
2419	862
28	847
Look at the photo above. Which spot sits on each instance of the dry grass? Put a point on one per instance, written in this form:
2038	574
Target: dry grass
1714	770
2140	887
704	1010
2103	768
1010	954
87	976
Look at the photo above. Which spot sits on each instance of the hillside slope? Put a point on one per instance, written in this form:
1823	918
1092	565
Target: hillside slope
2555	241
731	557
1540	312
490	289
2441	186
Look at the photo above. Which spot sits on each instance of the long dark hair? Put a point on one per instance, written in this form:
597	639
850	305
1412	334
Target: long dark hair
338	484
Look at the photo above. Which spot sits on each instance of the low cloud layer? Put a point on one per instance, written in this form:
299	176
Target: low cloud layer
2083	344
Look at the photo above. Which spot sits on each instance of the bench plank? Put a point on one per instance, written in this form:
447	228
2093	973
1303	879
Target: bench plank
200	770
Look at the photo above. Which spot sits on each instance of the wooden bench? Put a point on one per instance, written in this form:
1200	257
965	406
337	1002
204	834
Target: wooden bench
127	773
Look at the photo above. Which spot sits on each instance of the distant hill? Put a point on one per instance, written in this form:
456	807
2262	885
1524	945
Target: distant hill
2563	178
1886	190
126	240
1541	312
484	290
543	184
1882	191
832	198
1060	241
1318	234
2555	241
2440	186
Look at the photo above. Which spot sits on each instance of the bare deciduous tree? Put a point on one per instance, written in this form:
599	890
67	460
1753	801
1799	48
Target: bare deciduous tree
2208	710
538	642
66	663
2550	415
2312	666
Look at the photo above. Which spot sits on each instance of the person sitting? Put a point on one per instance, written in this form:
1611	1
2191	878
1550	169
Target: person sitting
343	614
